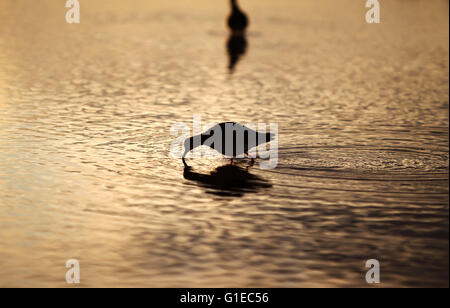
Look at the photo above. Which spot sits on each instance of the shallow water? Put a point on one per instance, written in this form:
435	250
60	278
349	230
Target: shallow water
85	170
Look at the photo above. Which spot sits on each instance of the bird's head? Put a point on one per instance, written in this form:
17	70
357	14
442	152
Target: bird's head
190	144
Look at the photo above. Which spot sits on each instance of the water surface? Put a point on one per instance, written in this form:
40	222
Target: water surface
85	170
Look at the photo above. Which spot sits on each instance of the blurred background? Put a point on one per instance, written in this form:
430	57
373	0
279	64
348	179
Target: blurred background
85	170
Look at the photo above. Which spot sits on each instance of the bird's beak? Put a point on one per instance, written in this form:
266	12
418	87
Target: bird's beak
186	152
183	158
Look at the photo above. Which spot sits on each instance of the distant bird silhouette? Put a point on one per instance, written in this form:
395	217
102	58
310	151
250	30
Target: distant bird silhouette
229	138
237	42
237	21
236	48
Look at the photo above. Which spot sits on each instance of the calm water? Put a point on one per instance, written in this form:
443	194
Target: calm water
85	171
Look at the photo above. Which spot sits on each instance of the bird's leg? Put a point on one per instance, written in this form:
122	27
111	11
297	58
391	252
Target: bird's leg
252	159
231	160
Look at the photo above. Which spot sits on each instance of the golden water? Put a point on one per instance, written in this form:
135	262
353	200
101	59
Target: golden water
85	171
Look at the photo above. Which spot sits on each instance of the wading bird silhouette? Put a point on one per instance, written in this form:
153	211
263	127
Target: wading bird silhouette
229	138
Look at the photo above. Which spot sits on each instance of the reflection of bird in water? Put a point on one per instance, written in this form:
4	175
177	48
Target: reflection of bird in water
229	138
237	42
236	47
228	180
237	21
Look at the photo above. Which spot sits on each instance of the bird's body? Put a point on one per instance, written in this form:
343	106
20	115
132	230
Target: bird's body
237	21
228	138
